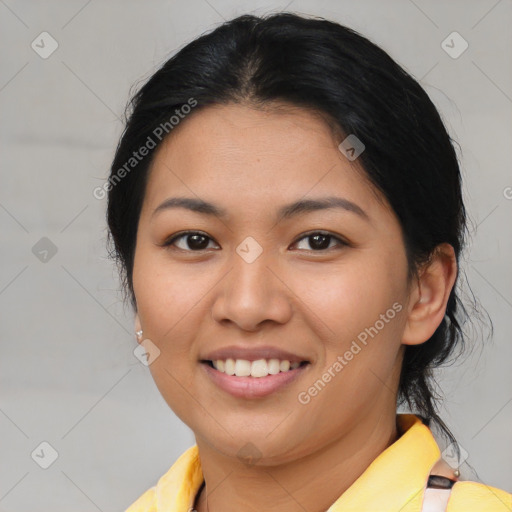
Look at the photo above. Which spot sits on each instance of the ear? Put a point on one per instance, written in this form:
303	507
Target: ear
429	295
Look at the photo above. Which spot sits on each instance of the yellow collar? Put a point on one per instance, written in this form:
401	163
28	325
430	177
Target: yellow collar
394	481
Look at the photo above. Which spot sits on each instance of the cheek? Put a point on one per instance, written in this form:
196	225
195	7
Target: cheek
168	298
169	305
352	297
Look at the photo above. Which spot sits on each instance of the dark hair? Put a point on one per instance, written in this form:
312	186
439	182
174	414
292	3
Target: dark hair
321	65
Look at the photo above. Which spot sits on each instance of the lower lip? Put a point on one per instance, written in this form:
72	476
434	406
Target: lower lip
252	387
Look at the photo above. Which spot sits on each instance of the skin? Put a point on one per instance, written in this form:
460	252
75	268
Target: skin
309	301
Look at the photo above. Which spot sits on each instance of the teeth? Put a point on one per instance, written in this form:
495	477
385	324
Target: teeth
259	368
273	366
229	366
242	368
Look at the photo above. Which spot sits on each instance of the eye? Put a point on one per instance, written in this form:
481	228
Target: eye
319	240
195	240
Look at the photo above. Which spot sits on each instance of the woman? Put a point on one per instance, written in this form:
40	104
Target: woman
285	206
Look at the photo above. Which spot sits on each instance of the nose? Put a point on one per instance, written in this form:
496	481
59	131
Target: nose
252	294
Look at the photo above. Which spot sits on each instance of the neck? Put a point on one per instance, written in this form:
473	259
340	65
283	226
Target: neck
312	483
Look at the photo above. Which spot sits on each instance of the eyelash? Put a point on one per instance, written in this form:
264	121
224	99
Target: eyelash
170	242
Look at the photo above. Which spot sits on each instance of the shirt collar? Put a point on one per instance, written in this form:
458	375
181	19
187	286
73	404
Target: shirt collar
393	482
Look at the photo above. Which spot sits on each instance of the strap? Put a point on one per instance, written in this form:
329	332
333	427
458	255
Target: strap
435	500
437	493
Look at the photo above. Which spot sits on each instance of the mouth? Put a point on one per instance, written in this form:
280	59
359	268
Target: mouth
258	369
246	379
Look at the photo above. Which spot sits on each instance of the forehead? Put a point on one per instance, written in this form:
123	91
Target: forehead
251	156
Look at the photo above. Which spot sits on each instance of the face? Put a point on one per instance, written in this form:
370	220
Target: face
323	287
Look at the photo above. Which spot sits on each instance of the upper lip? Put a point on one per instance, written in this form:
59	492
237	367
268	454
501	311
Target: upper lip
252	354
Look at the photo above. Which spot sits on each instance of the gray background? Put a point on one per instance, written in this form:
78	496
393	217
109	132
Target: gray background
68	373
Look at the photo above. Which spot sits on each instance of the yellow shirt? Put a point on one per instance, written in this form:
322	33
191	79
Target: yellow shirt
395	481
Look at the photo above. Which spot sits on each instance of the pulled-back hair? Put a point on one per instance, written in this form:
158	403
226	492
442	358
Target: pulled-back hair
321	65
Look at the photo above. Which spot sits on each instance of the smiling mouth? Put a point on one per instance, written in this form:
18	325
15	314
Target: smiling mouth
257	369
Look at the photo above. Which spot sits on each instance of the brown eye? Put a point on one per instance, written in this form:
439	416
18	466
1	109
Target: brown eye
319	241
192	241
195	241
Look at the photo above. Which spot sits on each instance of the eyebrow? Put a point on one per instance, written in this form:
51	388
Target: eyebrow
287	211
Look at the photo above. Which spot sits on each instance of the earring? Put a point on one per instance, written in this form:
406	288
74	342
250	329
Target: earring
139	334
